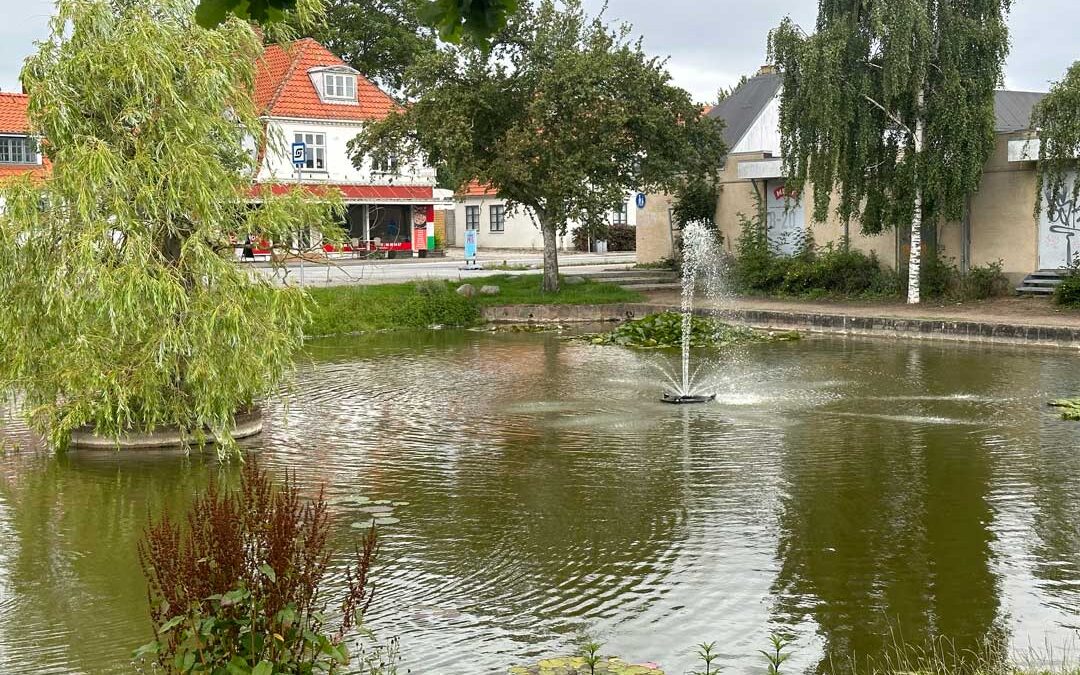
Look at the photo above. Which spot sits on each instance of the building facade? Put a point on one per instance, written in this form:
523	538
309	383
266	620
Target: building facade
20	152
479	208
308	95
999	223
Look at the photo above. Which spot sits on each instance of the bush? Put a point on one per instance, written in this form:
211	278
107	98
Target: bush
985	281
1068	293
941	279
619	237
665	331
812	271
239	590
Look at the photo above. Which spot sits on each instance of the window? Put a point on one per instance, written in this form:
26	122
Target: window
388	165
17	150
498	218
620	217
340	86
472	217
315	160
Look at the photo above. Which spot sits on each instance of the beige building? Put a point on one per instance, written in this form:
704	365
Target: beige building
999	224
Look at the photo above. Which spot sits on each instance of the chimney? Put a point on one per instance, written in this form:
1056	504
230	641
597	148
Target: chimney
767	69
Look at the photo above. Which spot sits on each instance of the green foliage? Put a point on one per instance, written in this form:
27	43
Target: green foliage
695	202
663	264
856	91
813	271
380	38
476	19
1057	117
775	655
343	310
985	281
1068	292
239	590
563	117
706	653
941	279
276	16
1070	408
619	237
665	331
121	306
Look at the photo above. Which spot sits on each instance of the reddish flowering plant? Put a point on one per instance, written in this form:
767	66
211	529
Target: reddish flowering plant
239	589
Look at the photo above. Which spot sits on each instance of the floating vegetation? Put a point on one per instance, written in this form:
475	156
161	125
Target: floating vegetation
522	328
375	511
579	665
665	331
1070	408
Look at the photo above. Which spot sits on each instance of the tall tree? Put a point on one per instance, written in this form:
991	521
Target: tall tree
1057	117
380	38
892	103
562	118
121	304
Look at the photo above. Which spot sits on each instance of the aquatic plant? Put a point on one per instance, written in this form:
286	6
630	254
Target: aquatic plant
775	655
1070	408
665	331
239	590
706	653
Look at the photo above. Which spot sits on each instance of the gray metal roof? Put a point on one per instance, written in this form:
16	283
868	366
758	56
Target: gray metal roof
1012	110
744	105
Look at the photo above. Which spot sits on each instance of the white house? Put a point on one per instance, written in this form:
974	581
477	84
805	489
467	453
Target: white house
478	208
19	153
309	95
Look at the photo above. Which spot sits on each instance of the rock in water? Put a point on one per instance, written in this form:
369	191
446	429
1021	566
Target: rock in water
490	290
466	290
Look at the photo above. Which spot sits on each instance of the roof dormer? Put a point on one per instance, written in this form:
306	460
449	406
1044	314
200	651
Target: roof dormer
335	84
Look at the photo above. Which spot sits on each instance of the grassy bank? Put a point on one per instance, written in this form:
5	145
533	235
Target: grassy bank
341	310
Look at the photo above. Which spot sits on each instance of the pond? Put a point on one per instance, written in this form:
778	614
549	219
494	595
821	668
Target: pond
838	491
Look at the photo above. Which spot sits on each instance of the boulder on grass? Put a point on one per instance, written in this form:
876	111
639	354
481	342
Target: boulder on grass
574	281
490	290
466	290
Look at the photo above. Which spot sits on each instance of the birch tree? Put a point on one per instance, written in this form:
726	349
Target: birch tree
562	118
1057	118
122	307
890	103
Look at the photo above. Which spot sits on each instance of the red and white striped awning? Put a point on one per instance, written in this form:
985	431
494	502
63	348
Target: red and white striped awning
358	194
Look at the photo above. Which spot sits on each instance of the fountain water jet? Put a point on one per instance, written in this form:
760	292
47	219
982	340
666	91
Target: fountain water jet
700	260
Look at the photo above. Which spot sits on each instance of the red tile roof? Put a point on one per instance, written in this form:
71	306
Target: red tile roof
13	120
387	192
475	189
283	87
13	113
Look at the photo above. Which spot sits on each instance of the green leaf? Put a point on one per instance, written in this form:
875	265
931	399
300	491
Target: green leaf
268	572
264	668
234	596
212	13
148	649
171	623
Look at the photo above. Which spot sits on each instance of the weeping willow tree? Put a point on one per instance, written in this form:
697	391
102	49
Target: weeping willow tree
891	103
121	306
1057	117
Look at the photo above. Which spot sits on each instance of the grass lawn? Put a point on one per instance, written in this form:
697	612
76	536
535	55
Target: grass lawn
341	310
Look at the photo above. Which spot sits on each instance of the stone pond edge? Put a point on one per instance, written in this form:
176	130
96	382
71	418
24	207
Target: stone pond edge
806	322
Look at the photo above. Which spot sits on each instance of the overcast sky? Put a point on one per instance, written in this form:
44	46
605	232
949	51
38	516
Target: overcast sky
710	42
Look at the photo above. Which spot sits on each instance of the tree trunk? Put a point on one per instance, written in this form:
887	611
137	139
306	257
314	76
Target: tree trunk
915	256
551	256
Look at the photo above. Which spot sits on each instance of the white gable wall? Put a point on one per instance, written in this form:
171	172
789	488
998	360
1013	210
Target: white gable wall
764	134
277	164
520	231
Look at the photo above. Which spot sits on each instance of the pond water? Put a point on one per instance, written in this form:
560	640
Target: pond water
839	492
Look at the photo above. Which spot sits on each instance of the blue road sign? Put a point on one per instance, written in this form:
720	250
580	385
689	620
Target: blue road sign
299	154
641	200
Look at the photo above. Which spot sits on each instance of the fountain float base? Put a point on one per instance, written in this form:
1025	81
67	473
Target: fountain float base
676	399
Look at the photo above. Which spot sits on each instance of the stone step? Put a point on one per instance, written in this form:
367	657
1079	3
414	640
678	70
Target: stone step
648	287
1035	290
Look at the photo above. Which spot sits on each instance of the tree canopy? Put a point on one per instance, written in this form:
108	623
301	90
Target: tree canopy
454	19
1057	118
892	103
380	38
562	118
121	303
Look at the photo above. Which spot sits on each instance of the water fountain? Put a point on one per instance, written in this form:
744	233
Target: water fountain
701	262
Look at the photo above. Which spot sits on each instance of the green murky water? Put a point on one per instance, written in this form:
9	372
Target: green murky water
837	491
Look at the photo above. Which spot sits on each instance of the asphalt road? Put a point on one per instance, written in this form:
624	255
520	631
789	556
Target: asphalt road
401	271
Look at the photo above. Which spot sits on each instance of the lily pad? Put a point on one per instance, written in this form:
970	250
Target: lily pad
363	524
378	510
381	502
355	501
386	520
399	504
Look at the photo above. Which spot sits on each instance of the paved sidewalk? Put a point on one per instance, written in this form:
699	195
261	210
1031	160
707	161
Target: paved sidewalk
1014	311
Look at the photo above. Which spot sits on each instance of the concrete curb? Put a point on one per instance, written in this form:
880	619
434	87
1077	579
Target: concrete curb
835	324
247	425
